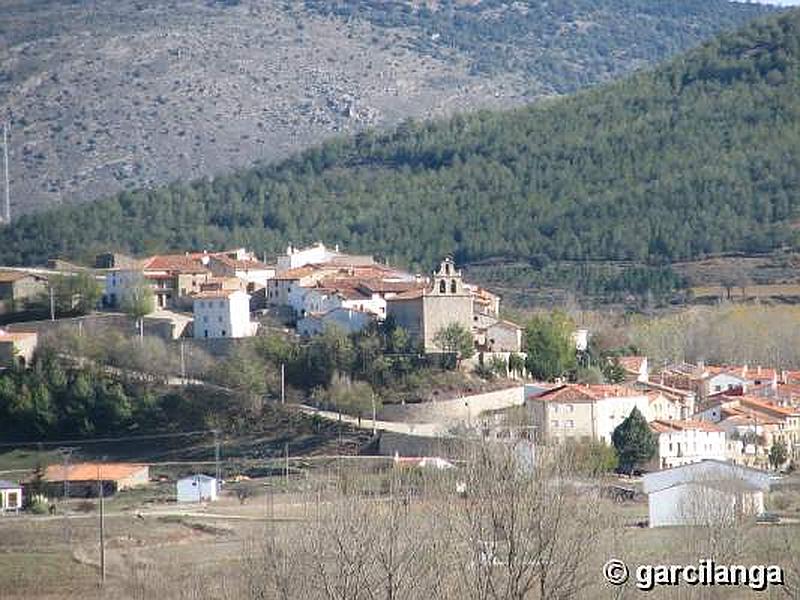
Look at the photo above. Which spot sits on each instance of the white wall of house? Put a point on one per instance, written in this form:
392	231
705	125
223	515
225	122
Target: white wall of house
197	488
703	491
10	498
223	316
348	320
118	283
375	305
696	504
306	301
689	446
723	382
611	411
345	319
666	408
295	257
257	277
279	290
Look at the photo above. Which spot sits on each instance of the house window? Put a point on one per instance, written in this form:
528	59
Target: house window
569	407
223	333
205	318
569	424
554	424
219	319
206	333
442	287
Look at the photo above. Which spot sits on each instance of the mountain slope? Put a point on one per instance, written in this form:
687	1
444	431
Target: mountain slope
697	157
119	94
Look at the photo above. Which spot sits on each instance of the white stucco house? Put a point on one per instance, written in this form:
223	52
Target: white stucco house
10	496
221	314
197	488
583	412
684	442
710	493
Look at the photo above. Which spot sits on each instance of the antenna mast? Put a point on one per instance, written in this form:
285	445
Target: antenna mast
7	212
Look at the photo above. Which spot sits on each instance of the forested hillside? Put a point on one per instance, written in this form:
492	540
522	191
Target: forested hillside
698	157
114	95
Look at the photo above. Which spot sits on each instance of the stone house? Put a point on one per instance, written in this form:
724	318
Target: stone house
19	289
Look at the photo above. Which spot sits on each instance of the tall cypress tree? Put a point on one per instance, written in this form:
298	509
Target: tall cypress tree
634	441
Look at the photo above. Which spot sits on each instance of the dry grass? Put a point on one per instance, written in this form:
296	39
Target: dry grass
211	553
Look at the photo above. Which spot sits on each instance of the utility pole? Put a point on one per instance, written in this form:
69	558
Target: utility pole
102	527
7	211
217	469
286	466
52	302
67	453
374	415
283	383
183	364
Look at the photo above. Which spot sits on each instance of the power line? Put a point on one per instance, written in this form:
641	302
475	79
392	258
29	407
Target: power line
131	438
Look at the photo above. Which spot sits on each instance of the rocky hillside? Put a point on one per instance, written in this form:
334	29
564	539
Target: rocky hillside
106	95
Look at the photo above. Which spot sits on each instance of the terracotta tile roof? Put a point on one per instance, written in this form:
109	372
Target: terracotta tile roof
632	364
178	263
89	471
241	265
743	372
573	392
412	294
377	286
664	426
750	419
761	404
12	276
297	273
16	336
211	294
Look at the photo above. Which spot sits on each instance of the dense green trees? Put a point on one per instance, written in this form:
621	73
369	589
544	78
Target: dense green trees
78	293
457	339
549	346
51	400
634	442
697	157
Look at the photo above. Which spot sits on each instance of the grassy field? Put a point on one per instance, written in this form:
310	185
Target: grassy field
157	549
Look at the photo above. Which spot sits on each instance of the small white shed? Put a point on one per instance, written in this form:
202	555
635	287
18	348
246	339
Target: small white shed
708	492
197	488
10	496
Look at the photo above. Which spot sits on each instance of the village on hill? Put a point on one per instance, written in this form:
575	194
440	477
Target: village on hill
742	416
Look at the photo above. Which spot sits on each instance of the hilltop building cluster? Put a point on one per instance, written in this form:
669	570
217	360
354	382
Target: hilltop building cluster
316	288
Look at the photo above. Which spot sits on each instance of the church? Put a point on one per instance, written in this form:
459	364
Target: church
422	312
